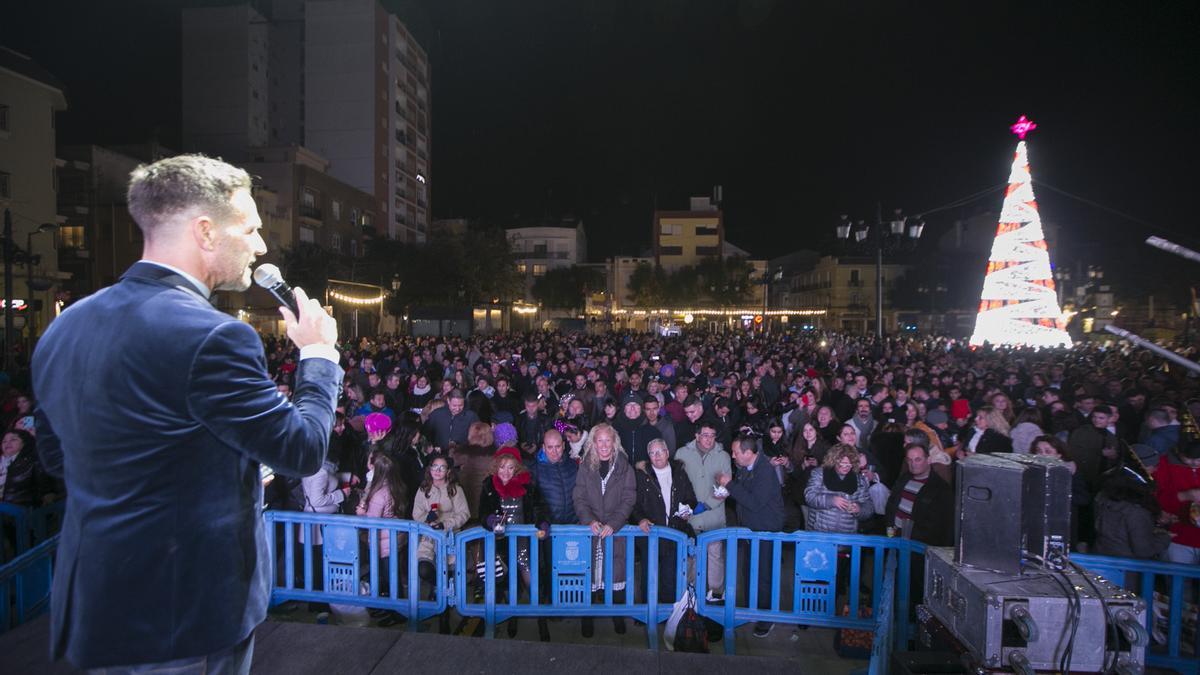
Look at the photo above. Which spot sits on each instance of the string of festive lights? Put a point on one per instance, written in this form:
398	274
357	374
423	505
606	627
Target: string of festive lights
1018	305
352	300
722	312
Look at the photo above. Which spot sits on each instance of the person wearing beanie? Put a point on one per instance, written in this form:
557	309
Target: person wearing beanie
634	430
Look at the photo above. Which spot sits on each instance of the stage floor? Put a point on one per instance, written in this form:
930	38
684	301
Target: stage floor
291	645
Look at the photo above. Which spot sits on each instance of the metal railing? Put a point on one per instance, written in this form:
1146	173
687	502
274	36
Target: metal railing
583	581
822	585
813	577
343	579
1164	611
28	525
25	584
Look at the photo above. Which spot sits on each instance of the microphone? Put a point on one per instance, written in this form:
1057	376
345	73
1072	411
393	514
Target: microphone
268	276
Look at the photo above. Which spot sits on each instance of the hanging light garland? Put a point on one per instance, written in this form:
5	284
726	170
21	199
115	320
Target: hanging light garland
352	300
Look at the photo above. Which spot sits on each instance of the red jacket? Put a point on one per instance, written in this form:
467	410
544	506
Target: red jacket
1173	479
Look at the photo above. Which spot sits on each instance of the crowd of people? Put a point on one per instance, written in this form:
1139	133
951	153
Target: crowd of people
697	432
783	432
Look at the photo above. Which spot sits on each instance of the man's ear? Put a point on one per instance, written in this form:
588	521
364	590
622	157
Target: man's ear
204	232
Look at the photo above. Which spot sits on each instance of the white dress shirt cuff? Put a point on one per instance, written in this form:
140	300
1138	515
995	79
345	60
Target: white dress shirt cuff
327	352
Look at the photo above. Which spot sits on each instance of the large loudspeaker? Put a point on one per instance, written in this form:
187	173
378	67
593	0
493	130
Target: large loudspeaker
1045	507
1010	506
987	533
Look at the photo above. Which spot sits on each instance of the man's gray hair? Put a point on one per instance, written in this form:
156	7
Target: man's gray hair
177	185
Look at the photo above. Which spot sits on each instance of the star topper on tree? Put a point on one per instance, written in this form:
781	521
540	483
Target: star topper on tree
1023	126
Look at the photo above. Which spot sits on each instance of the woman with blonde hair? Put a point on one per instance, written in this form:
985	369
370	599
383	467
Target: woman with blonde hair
1003	404
838	495
989	434
605	493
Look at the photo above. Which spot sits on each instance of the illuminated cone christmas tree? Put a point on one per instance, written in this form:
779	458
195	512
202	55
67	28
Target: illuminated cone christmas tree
1018	305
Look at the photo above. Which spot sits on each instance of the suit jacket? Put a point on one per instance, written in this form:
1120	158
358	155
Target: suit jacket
157	410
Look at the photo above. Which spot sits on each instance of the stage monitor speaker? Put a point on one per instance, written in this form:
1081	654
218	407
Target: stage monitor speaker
1045	507
987	532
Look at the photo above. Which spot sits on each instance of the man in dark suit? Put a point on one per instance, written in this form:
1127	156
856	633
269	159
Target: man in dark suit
160	432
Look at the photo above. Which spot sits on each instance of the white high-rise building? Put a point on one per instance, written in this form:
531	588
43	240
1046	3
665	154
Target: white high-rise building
343	78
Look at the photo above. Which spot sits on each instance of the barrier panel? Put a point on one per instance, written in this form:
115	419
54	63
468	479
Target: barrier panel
15	533
1170	605
24	526
351	569
579	579
25	584
884	642
815	578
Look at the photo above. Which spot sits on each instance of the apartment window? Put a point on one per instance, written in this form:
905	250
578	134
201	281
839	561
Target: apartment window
70	236
5	185
368	221
707	250
854	277
336	208
522	268
306	235
4	117
354	216
335	242
354	248
706	230
539	270
670	250
308	198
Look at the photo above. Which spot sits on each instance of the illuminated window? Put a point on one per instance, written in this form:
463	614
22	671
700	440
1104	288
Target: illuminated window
539	270
522	268
70	236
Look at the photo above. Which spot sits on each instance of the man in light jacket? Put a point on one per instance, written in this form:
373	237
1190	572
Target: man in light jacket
704	460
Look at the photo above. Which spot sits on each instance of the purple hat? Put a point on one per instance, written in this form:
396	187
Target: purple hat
505	434
377	422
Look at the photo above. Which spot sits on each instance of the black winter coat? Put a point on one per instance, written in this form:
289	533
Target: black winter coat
649	504
531	504
26	483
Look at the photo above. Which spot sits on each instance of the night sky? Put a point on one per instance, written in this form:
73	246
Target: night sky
801	110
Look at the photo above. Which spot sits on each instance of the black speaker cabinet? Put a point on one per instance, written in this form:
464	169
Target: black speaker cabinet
1045	506
987	533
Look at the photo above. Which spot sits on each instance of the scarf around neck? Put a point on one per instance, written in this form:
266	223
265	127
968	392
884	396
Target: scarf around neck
514	489
848	484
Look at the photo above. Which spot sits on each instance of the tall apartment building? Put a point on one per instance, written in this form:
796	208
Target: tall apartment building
30	97
684	238
343	78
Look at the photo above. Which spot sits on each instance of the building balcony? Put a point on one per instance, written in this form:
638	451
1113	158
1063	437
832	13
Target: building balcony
541	255
310	212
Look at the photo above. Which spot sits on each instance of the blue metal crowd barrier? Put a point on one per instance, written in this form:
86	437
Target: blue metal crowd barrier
342	580
27	526
25	584
815	580
576	574
806	586
885	639
1148	578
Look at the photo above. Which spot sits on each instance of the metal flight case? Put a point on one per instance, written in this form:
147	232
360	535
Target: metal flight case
1024	622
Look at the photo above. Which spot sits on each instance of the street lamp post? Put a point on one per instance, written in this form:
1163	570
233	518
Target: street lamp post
30	261
900	232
